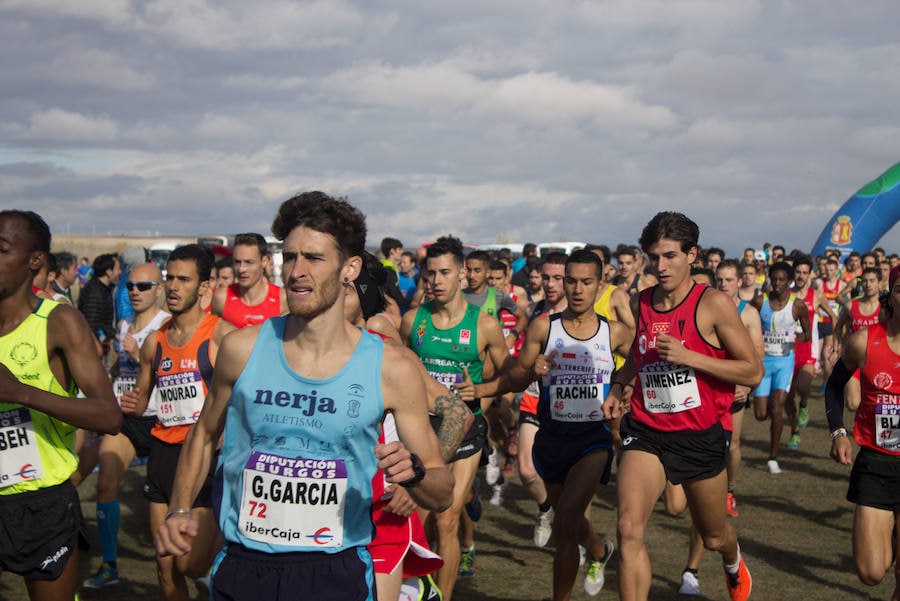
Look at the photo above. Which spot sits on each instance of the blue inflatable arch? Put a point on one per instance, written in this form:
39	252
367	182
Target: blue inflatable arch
866	216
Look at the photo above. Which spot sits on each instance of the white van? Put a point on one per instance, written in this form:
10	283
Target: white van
159	253
544	248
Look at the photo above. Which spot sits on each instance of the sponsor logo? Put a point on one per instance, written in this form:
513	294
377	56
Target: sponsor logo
26	472
23	353
465	336
166	364
322	536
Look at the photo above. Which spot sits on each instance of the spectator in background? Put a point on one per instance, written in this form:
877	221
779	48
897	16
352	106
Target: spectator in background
85	272
96	300
66	275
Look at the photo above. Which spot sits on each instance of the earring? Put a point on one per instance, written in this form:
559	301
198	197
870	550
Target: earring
346	280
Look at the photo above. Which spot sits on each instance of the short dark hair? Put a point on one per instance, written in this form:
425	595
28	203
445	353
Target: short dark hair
782	266
322	213
497	265
479	255
389	244
200	255
225	263
732	263
671	225
803	259
874	270
529	249
586	257
52	264
603	249
446	245
533	264
103	263
370	286
65	260
715	250
37	227
253	239
555	258
713	280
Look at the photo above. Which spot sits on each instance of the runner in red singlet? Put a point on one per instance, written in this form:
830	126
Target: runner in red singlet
251	299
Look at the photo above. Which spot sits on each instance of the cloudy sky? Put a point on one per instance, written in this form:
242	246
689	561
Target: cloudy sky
503	121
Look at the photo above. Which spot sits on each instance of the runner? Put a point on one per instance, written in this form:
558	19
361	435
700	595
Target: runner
453	338
145	287
780	312
875	479
830	287
729	283
631	278
806	354
859	313
299	432
252	299
178	363
571	352
686	385
43	354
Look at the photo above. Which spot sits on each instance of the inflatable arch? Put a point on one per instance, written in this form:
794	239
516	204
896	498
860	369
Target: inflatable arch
865	217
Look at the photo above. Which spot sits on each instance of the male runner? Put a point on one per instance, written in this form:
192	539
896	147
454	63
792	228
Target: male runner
806	354
749	289
45	348
454	338
178	363
830	286
859	313
691	350
874	481
572	353
780	312
252	299
631	277
145	287
729	283
299	432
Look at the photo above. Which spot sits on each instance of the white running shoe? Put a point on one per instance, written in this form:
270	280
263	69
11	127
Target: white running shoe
595	578
543	528
492	469
690	585
773	466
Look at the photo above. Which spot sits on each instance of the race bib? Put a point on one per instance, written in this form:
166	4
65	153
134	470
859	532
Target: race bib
296	502
887	427
447	379
777	345
180	398
672	389
121	385
20	459
577	397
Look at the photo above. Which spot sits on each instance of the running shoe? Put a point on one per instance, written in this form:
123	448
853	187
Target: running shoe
773	466
105	576
582	554
803	417
421	588
499	491
595	578
794	441
467	562
474	507
740	584
543	528
492	469
731	506
690	584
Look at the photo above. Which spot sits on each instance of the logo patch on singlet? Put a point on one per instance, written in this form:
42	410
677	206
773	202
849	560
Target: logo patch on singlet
883	380
465	336
23	353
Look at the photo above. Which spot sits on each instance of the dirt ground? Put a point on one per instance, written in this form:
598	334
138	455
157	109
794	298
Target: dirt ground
794	530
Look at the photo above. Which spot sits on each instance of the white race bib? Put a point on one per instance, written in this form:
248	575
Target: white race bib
446	378
577	397
887	427
670	389
20	459
777	345
296	502
180	398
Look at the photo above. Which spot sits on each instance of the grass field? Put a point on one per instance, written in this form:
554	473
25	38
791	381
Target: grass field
794	530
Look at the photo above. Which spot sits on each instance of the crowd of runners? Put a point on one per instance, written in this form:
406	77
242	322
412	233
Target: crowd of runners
334	438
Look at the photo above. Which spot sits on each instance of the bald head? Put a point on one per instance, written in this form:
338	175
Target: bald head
148	277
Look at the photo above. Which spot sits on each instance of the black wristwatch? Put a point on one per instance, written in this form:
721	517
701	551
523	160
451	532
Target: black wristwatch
418	469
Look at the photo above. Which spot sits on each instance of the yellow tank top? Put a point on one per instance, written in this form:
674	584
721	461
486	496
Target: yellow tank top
601	307
36	450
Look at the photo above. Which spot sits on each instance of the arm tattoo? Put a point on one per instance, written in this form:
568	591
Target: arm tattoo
455	420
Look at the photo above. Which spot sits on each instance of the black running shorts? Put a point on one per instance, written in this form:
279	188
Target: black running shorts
685	454
241	573
39	531
137	430
875	480
161	466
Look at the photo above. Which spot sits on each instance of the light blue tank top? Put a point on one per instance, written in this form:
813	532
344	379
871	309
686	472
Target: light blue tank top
297	457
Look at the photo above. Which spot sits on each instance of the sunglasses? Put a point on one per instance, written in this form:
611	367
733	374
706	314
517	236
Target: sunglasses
141	286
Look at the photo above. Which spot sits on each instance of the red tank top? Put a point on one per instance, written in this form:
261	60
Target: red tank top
831	293
859	320
803	350
877	422
182	378
670	397
243	315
